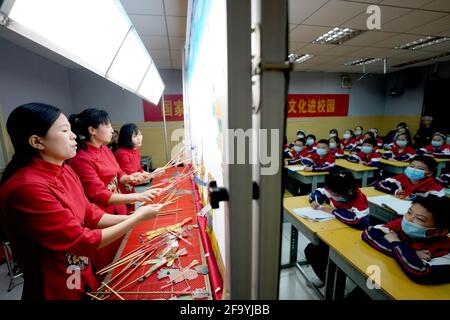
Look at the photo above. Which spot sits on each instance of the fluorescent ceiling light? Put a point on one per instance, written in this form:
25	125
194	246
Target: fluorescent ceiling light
295	58
439	56
338	36
97	35
362	61
423	43
152	86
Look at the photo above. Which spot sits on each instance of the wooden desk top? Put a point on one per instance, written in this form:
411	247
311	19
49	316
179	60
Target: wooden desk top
372	192
400	164
307	174
301	202
348	243
357	167
442	160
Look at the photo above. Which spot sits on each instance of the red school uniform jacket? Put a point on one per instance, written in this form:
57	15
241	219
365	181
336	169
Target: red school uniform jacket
372	159
407	154
51	226
337	152
439	152
99	173
348	144
321	164
427	186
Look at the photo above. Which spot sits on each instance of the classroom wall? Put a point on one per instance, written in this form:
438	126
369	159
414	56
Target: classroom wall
90	90
27	77
367	107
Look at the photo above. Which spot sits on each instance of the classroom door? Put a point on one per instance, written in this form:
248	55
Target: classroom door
436	103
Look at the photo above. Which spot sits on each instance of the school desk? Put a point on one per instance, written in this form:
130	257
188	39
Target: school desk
395	167
381	213
307	227
312	178
351	257
441	163
359	171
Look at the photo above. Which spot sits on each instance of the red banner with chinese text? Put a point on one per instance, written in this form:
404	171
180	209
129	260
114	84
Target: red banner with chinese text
173	106
317	105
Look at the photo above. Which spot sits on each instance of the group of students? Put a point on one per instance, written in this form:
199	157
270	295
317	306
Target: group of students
64	196
364	148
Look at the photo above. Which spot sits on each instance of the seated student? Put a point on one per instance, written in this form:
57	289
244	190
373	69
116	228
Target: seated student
438	147
334	133
349	205
367	135
321	160
359	134
298	151
348	141
367	156
417	180
377	137
335	148
401	150
311	143
418	242
390	137
301	134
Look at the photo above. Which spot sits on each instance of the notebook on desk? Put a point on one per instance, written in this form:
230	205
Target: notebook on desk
392	203
313	214
296	168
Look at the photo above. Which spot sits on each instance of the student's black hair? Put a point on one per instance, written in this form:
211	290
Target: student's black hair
371	141
362	129
408	137
87	118
402	124
428	161
338	141
23	122
301	140
301	131
324	141
341	183
438	207
334	131
311	136
126	134
371	134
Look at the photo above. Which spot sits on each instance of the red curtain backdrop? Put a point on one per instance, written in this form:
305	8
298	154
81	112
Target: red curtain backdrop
173	106
317	105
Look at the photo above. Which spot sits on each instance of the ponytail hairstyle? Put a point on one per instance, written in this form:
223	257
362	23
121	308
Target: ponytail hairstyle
23	122
126	135
80	124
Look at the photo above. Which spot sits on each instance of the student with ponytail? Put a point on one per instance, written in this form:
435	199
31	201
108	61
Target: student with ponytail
52	226
99	172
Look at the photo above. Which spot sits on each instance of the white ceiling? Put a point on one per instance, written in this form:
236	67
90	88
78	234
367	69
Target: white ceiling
162	23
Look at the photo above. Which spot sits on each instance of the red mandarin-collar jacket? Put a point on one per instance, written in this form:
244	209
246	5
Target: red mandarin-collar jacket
51	225
129	160
99	173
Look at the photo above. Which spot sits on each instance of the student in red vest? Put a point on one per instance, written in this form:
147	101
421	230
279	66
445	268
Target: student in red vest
335	147
348	141
53	228
128	154
359	134
311	143
367	156
417	180
401	150
321	160
439	148
298	152
99	172
377	137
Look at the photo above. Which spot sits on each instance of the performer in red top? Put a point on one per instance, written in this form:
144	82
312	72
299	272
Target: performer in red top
128	155
53	229
99	172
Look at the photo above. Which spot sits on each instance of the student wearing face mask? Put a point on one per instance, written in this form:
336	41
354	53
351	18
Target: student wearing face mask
359	134
298	152
401	150
389	138
418	242
348	142
335	148
321	160
417	180
334	133
348	204
368	135
301	134
377	137
438	148
311	143
367	156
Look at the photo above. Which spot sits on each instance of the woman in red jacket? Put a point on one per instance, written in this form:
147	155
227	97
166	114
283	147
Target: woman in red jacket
128	155
99	172
53	228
